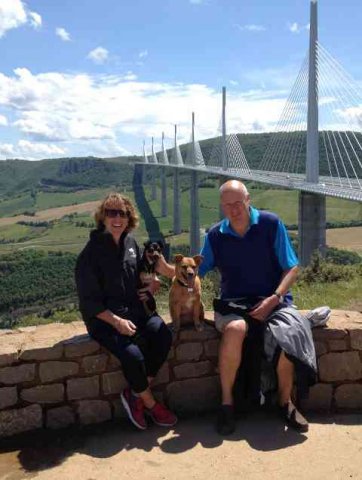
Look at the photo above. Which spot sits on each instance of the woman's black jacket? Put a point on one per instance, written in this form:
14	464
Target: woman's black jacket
107	277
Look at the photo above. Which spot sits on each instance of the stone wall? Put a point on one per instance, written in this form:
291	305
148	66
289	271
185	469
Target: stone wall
53	376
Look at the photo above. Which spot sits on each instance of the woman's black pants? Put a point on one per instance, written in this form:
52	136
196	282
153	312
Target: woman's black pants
141	356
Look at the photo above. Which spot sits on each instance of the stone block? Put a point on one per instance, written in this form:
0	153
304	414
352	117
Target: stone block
188	370
79	388
94	411
8	397
338	345
113	383
189	351
80	346
320	397
53	393
326	333
337	367
194	395
356	339
60	417
320	348
19	374
118	409
349	396
20	420
95	363
50	371
190	334
212	348
41	351
114	363
163	375
8	355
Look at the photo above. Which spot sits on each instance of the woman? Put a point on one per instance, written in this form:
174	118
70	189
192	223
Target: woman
107	280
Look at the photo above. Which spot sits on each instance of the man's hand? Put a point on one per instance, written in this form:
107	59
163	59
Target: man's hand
124	326
263	309
164	268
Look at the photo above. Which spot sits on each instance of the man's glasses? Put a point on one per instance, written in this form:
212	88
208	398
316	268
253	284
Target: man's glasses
113	213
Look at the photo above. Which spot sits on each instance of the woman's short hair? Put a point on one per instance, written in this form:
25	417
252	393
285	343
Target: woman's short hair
113	200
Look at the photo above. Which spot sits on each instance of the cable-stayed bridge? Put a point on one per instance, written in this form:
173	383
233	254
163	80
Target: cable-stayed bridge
316	148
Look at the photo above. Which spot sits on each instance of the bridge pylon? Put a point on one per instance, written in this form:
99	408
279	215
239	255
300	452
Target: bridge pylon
312	207
194	198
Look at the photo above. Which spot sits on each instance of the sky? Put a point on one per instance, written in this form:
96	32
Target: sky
97	77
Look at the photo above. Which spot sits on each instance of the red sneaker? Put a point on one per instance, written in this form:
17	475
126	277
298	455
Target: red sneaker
134	408
162	416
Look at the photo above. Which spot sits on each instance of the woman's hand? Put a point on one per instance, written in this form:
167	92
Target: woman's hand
124	326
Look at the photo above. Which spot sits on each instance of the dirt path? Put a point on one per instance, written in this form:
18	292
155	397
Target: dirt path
260	450
51	213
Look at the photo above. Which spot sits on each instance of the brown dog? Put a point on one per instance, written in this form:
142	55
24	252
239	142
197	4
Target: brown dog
185	293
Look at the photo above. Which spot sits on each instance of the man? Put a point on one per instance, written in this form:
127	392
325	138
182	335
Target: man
254	256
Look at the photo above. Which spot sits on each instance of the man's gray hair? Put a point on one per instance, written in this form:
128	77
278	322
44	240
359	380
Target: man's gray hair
233	185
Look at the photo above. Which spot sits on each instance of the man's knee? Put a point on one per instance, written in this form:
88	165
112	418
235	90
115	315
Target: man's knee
235	329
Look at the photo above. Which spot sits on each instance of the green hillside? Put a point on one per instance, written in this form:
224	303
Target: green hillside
19	176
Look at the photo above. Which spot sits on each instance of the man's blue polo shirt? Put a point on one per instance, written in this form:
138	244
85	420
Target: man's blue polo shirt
252	263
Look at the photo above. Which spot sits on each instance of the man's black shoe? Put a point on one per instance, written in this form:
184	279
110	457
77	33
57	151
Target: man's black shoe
225	420
293	417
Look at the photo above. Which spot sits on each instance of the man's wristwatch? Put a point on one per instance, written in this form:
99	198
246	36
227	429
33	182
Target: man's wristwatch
280	296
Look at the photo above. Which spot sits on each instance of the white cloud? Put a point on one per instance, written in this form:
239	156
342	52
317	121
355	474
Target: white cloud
62	34
233	83
30	150
130	76
250	28
296	28
99	55
111	114
143	54
197	2
14	14
35	20
3	121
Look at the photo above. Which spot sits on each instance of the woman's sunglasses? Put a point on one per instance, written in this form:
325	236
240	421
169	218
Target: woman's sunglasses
113	213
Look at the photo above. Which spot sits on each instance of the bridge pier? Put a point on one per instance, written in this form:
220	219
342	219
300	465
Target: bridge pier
312	226
194	214
176	202
153	184
164	209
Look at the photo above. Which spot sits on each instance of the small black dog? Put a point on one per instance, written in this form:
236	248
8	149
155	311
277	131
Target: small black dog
147	273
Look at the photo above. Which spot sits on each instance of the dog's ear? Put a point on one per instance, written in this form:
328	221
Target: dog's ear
161	244
147	244
178	257
198	259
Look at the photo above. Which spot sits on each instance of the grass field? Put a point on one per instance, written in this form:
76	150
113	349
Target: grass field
65	235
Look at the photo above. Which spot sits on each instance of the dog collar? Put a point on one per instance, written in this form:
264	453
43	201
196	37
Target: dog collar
184	285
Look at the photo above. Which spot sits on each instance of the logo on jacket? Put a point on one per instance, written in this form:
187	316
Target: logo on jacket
132	252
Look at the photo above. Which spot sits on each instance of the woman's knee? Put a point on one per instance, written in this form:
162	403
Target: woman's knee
159	331
131	354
